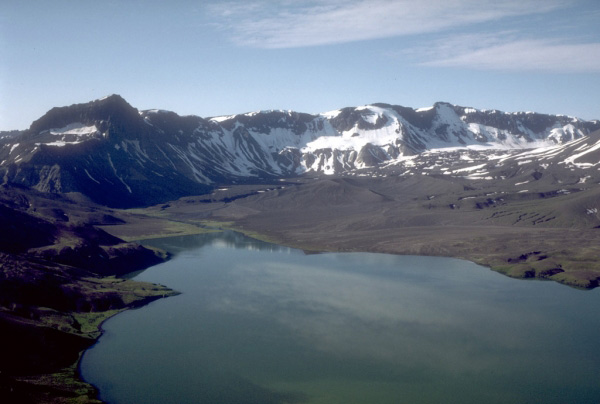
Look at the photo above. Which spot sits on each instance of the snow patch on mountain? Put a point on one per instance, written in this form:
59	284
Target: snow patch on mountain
573	158
331	114
223	118
70	134
160	149
76	128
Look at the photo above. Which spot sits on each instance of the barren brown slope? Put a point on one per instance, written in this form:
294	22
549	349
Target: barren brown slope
544	235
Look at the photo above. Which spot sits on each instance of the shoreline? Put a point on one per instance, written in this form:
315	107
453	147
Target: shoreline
61	381
76	367
396	216
564	255
215	225
524	266
490	281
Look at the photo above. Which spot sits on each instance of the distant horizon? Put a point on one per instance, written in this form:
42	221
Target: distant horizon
229	57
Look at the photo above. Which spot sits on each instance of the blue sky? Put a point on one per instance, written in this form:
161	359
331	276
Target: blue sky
211	58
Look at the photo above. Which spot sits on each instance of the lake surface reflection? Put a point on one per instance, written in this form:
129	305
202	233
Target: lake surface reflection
260	323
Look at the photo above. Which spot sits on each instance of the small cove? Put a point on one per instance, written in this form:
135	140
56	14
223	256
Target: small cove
261	323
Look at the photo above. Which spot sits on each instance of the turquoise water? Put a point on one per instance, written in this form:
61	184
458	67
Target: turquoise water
260	323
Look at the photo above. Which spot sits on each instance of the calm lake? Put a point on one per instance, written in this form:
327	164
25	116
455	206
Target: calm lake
257	323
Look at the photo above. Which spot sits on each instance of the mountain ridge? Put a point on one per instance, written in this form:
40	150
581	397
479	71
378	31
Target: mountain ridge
122	157
517	192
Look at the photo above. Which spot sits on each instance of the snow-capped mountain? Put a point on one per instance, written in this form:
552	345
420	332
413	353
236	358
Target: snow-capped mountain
122	157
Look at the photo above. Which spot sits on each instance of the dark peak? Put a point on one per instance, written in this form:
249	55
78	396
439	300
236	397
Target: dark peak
111	108
171	122
444	104
462	110
265	121
109	98
383	105
280	118
348	118
114	99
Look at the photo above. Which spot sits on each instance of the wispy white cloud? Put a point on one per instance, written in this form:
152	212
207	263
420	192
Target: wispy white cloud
507	52
289	24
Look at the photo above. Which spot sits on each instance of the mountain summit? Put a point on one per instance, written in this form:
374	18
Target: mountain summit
121	157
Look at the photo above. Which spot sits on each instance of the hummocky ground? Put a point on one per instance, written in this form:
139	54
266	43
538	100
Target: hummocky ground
537	234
